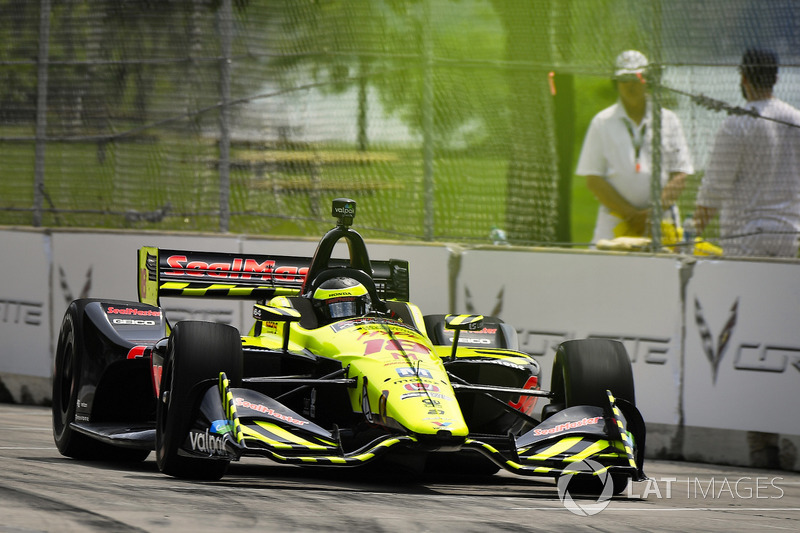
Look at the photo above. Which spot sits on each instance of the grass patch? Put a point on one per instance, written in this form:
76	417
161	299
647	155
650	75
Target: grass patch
171	183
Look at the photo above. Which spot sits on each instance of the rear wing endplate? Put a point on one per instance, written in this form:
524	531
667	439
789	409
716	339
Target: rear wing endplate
180	273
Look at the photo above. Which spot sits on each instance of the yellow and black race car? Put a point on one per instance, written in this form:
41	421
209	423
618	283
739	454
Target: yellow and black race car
338	369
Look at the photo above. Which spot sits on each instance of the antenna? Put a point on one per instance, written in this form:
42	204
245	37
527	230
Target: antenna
344	209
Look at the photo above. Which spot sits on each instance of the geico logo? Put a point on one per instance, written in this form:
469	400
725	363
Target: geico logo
473	341
207	443
133	322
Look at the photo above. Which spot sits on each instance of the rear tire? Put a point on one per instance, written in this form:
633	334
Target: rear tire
70	355
196	352
66	371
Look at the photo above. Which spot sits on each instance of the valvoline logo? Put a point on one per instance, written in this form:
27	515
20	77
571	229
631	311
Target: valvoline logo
347	210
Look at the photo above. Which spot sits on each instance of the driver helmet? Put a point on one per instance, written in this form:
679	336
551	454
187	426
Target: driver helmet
339	298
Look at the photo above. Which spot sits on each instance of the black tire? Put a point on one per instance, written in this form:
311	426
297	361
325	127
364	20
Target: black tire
70	356
582	372
196	352
585	368
469	464
66	371
593	486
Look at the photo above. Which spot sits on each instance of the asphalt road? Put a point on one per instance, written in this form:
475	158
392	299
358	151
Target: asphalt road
43	491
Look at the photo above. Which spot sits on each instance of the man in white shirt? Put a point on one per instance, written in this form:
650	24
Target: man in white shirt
753	174
616	157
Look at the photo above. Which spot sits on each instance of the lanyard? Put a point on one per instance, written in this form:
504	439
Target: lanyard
636	141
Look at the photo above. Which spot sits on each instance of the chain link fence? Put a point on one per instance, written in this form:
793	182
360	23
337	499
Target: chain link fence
443	119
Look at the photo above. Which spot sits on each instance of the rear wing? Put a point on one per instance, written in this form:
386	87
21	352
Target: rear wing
182	273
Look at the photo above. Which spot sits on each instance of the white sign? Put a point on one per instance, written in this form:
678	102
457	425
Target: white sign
743	347
550	297
25	304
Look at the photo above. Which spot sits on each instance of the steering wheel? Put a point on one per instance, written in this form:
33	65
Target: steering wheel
358	275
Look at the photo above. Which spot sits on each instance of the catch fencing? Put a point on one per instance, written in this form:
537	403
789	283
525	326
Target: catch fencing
443	119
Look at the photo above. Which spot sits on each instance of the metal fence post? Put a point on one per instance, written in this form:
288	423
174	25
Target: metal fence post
226	32
656	163
41	111
427	119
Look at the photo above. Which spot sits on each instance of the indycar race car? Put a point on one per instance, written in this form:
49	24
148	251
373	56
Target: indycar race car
339	369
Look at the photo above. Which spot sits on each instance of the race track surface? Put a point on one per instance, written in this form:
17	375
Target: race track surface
43	491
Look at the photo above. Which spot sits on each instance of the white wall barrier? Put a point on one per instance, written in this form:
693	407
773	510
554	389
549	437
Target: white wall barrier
551	297
25	306
713	344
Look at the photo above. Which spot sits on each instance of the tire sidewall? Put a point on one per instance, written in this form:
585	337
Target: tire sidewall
66	381
196	352
585	368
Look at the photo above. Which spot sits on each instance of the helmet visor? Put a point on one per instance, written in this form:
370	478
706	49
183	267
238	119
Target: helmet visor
342	309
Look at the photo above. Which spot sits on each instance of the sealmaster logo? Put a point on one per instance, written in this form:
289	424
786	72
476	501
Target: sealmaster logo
238	268
269	411
130	311
568	425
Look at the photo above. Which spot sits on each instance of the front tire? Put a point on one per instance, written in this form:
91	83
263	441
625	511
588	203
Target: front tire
585	368
593	486
582	372
196	352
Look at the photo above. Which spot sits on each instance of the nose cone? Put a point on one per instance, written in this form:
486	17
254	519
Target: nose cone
433	416
442	440
419	398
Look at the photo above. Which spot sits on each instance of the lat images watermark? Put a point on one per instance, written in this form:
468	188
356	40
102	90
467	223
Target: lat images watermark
711	488
706	489
603	486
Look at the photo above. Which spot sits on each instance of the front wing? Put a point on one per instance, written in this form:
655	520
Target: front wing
237	422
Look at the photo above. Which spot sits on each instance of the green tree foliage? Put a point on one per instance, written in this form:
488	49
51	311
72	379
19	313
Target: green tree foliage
111	64
18	45
381	44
